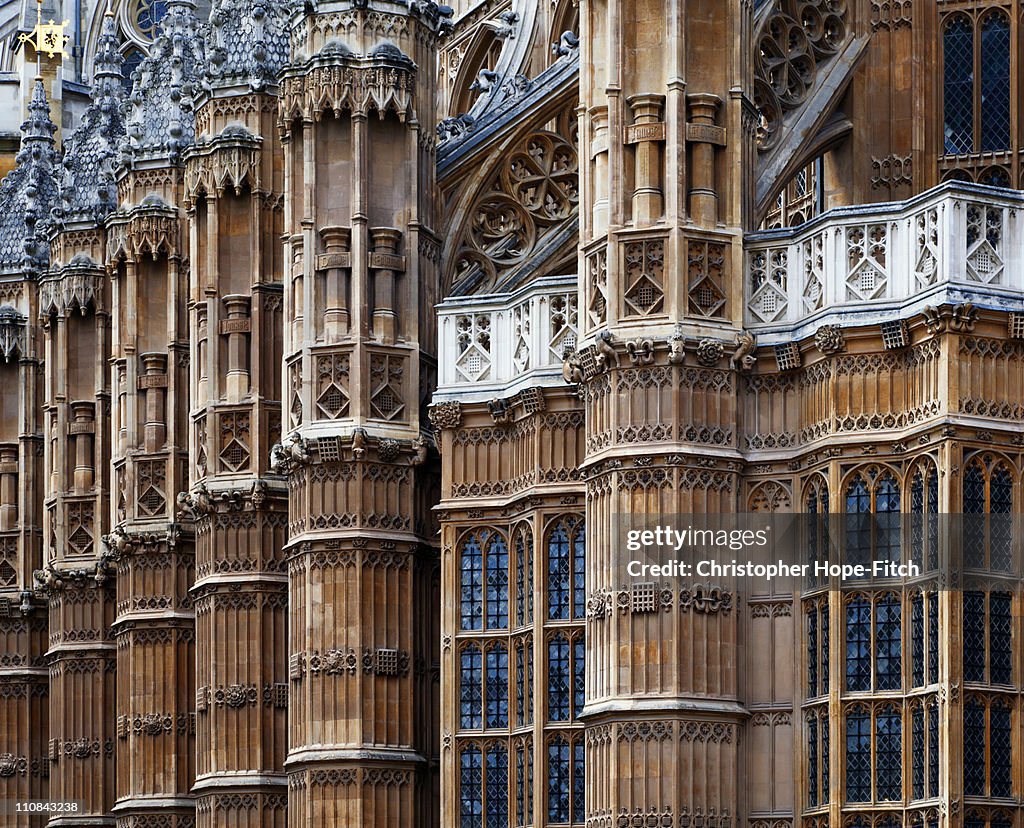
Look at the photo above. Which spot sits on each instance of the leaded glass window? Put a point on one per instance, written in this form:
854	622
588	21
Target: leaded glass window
858	644
1001	739
578	676
958	85
497	786
812	760
521	818
567	571
917	638
917	734
497	584
520	684
524	577
858	521
974	748
824	760
824	647
471	568
887	509
889	754
483	565
579	779
559	679
995	82
858	756
559	774
933	638
1000	507
974	636
471	794
812	652
933	749
470	688
1000	622
497	686
888	643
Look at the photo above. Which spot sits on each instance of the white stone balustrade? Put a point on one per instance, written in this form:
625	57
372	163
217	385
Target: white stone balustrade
859	265
498	344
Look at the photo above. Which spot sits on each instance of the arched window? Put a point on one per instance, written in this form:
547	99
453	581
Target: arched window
483	786
995	82
987	508
524	783
566	780
524	577
924	525
479	548
813	776
873	517
958	85
566	571
524	681
988	742
888	643
917	751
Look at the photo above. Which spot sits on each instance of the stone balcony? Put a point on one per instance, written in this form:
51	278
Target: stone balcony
862	265
500	344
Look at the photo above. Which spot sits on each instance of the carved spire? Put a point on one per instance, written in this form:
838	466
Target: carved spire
161	122
88	189
29	192
248	42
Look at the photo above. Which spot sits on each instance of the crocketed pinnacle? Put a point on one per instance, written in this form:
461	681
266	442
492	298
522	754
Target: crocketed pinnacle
161	121
29	192
88	189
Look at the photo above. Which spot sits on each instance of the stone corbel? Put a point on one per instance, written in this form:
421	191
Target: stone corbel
290	454
743	358
12	332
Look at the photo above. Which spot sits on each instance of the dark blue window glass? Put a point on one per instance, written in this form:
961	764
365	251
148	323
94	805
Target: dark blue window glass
524	578
974	636
520	685
888	642
858	644
858	521
1001	759
1000	623
497	686
559	573
995	83
579	779
579	676
958	85
887	507
470	688
917	638
1001	501
558	781
497	786
520	786
579	573
471	581
497	584
918	752
889	754
974	748
559	680
858	757
471	794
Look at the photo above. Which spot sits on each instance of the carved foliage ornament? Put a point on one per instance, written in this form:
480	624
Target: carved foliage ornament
12	332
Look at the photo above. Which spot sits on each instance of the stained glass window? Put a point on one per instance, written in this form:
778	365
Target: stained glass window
497	786
578	676
470	688
497	584
889	754
146	16
471	795
858	756
472	579
917	751
812	761
1001	740
132	59
559	679
888	643
497	686
995	83
1000	621
974	636
917	638
974	748
858	644
958	85
558	780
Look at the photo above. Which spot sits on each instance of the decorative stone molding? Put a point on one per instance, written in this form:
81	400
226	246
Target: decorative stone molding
829	339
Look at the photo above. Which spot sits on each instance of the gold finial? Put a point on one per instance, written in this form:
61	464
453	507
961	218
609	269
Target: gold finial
47	37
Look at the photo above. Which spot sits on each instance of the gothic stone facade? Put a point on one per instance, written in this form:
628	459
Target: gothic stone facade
339	336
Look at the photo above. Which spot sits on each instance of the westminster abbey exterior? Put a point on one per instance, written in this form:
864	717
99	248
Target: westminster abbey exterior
339	337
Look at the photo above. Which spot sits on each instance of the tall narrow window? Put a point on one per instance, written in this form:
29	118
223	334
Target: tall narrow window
566	571
824	760
579	779
933	749
497	686
995	83
471	794
472	581
1000	508
858	521
858	644
558	780
1001	739
889	754
497	584
812	760
917	751
999	631
933	638
917	639
887	510
470	687
824	646
974	636
520	667
497	786
888	642
520	786
858	756
578	676
559	679
812	652
958	85
974	748
524	577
